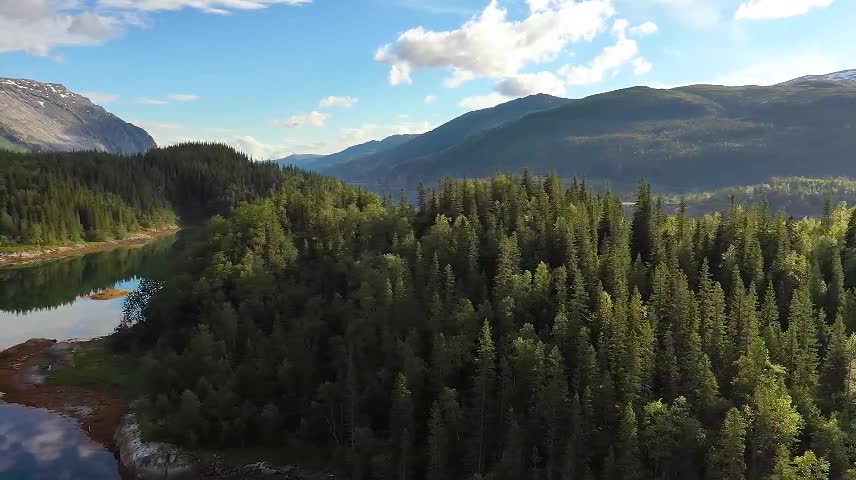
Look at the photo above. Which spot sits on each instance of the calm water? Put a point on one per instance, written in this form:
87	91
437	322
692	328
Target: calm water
49	299
39	445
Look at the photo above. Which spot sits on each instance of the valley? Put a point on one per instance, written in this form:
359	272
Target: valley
562	320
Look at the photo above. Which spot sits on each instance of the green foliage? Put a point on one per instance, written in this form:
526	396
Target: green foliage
501	330
53	198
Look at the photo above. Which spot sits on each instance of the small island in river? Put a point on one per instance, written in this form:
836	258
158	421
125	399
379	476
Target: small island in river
109	294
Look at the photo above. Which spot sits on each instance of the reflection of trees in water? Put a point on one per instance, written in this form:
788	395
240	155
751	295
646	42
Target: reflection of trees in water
54	283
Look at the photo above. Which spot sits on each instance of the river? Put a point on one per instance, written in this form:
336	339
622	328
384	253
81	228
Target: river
49	299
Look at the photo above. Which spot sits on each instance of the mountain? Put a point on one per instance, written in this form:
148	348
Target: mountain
299	159
842	76
322	162
40	117
445	136
684	139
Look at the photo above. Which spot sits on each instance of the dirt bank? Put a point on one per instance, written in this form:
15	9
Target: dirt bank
22	375
109	294
141	238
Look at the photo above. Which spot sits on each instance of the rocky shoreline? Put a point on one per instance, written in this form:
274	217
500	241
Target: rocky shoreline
104	415
140	238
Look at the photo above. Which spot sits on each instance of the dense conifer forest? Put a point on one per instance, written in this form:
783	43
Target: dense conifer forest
53	198
509	328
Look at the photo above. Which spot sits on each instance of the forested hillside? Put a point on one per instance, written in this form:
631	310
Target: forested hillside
797	196
510	329
685	139
68	197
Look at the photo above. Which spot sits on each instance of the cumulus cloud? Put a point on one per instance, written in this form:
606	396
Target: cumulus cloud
182	97
775	9
100	98
221	7
610	61
645	29
490	45
374	131
430	99
701	14
531	83
39	26
479	102
258	150
340	102
312	119
774	69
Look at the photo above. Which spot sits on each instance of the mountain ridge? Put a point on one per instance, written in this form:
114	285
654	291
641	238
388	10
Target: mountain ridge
682	139
39	116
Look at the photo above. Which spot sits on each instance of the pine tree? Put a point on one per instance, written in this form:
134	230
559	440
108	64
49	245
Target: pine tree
483	399
727	458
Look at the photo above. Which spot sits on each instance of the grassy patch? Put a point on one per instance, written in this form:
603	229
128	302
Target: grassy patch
94	366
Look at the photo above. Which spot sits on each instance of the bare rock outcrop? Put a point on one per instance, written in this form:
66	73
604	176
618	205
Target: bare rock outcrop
44	117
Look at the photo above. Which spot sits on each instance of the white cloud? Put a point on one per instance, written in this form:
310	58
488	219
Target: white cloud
100	98
220	7
775	9
489	45
259	150
39	26
313	119
182	97
701	14
153	101
373	131
163	133
610	61
531	83
480	102
773	69
430	99
645	29
641	66
340	102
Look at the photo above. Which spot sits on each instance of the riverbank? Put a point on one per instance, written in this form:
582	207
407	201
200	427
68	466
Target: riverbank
24	371
84	381
28	254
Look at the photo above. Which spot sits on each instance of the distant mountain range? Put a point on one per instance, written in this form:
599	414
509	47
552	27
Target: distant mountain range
683	139
37	116
323	162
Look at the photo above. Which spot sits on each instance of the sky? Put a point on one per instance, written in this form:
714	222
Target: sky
276	77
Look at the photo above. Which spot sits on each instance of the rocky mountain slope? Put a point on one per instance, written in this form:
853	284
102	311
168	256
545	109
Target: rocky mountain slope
842	76
40	117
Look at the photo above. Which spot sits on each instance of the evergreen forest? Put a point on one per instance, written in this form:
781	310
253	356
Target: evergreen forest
60	197
507	328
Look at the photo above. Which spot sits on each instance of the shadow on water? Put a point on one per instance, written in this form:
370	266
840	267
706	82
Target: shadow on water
40	445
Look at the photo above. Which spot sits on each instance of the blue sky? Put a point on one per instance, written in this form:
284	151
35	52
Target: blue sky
274	77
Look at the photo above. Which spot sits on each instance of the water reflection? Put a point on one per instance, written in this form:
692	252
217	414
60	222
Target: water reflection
81	319
59	282
37	444
49	299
